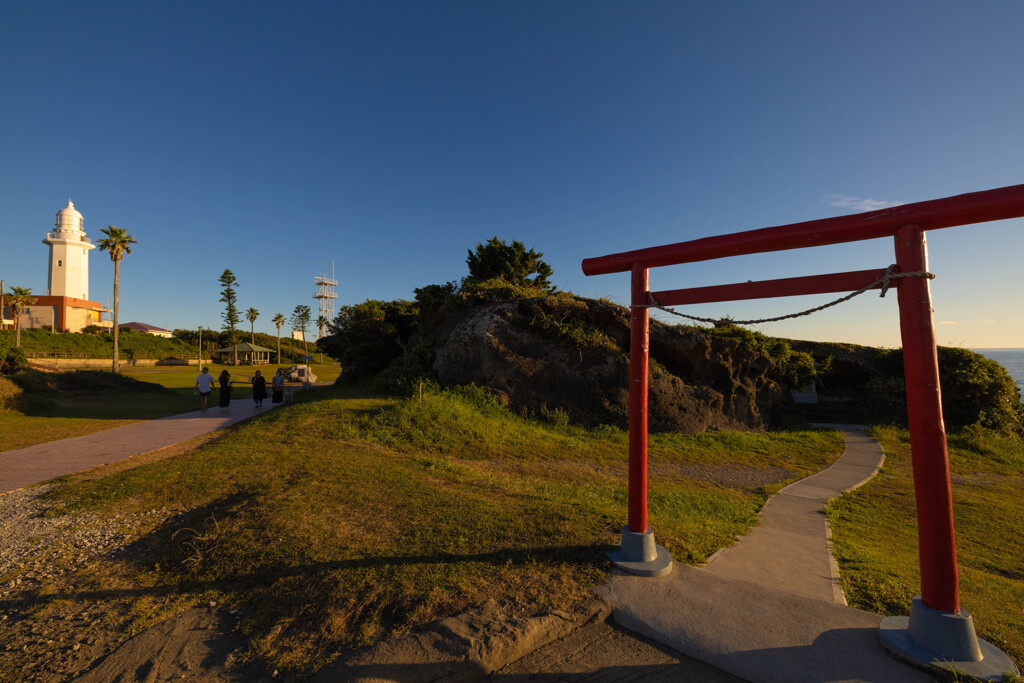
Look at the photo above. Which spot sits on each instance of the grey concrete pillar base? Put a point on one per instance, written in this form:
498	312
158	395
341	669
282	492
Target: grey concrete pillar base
932	638
639	555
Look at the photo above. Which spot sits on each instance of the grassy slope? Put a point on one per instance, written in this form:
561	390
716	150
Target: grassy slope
334	522
100	345
875	534
43	343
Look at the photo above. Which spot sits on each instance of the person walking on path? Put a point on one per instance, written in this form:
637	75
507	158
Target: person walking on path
278	387
225	389
204	385
259	389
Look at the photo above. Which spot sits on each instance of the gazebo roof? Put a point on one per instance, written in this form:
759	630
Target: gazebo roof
245	347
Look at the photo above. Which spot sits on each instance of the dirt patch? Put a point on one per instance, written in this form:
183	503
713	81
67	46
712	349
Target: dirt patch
199	644
731	476
464	647
727	475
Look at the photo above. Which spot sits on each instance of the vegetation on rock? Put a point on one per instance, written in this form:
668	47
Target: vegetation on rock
975	389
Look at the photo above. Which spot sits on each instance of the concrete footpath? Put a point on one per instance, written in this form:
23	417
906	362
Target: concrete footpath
34	464
770	607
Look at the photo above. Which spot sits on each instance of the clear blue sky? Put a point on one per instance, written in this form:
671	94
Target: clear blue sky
390	137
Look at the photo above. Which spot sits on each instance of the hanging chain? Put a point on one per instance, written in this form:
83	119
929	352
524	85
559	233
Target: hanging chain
885	281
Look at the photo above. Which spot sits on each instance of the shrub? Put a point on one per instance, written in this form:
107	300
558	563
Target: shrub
975	390
13	360
368	337
403	376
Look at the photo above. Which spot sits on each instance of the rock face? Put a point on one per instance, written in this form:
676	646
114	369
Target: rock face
572	353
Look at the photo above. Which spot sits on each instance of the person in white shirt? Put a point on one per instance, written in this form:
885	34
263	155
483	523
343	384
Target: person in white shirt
204	385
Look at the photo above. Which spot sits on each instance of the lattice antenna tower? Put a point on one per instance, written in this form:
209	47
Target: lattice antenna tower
325	296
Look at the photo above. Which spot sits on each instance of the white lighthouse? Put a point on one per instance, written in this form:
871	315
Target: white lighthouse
69	256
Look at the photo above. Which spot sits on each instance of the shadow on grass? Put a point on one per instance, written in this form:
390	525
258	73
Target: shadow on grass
136	400
184	540
595	555
106	405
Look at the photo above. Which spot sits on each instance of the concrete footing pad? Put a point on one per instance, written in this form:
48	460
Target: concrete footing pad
638	554
932	638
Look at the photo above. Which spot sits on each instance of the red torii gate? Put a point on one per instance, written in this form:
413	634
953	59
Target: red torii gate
907	225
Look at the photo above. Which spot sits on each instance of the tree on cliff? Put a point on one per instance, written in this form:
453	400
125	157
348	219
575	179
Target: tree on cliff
511	263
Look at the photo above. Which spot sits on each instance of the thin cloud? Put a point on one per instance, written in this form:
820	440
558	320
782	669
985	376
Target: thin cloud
845	201
947	322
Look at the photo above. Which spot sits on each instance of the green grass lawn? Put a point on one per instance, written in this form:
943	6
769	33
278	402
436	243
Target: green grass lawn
50	414
183	378
875	533
346	517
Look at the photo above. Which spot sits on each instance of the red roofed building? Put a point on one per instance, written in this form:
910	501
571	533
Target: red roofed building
146	329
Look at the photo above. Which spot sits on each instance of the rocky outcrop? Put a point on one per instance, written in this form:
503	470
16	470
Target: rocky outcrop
569	353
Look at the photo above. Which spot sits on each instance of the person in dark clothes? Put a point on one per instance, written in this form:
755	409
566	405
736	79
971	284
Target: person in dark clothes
278	386
225	388
259	389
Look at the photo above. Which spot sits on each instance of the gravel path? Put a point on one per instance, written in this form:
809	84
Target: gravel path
49	632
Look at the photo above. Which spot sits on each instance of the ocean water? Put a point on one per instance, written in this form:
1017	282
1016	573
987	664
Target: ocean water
1011	359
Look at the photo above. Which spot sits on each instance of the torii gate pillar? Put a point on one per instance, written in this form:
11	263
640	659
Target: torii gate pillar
638	554
937	632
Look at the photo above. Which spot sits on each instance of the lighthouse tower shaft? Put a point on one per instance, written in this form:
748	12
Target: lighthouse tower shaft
69	256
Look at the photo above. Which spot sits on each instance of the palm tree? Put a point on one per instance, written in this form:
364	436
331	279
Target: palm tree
19	298
251	315
118	243
279	320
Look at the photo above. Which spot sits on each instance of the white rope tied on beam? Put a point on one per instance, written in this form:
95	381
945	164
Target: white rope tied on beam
885	281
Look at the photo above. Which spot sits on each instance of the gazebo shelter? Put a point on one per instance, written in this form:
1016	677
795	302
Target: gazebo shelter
248	354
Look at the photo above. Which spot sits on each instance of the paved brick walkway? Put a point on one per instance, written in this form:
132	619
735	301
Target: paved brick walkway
34	464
